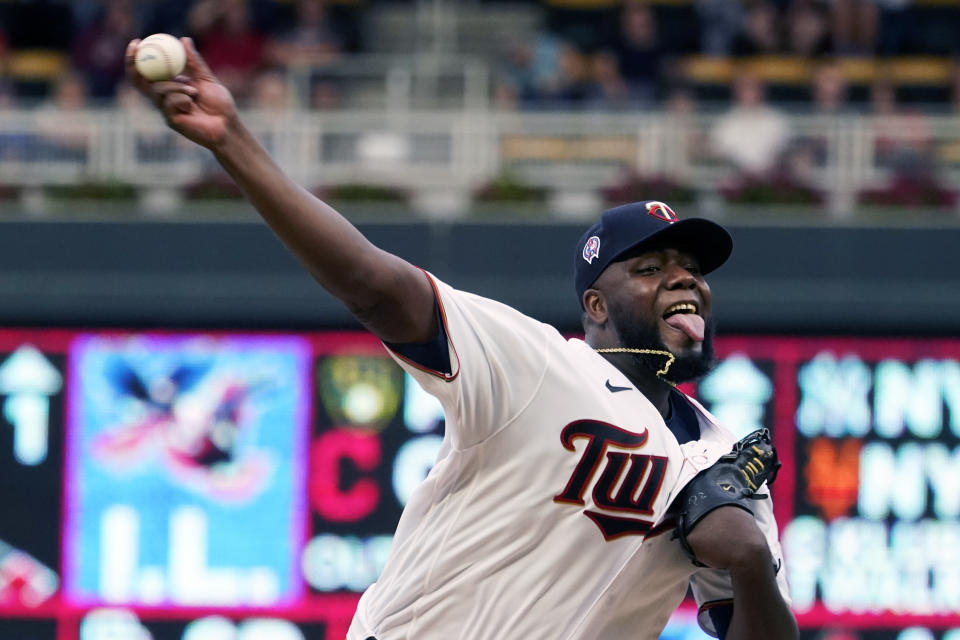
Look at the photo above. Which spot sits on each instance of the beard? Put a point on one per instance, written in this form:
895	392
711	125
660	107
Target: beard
635	334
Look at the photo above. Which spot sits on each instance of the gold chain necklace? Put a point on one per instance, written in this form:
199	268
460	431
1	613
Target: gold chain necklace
656	352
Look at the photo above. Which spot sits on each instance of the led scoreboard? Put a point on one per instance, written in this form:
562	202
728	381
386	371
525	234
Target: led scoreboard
245	486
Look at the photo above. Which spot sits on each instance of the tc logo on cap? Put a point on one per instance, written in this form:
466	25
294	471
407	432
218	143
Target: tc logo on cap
662	211
591	249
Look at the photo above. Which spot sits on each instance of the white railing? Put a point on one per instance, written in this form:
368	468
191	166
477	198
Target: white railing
378	81
459	150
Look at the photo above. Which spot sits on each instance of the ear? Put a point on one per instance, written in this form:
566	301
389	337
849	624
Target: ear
595	306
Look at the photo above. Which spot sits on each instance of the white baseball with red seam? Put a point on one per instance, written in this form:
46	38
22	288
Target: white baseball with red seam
160	57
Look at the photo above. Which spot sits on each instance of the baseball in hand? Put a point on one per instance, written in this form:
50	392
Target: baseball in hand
160	57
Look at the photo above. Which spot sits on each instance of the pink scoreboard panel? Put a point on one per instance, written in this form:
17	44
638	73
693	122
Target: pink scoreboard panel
244	486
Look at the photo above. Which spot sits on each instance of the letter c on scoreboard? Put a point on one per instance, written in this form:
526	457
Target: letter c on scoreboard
328	498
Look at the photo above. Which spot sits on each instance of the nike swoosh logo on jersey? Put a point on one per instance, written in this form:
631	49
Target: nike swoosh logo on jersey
613	389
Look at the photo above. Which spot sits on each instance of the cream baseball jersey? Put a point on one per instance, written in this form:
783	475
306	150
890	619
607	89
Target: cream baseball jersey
544	516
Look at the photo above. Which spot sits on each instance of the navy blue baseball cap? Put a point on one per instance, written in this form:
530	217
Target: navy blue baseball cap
640	226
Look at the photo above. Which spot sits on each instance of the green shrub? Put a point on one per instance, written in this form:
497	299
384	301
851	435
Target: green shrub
636	188
362	192
92	191
507	187
777	189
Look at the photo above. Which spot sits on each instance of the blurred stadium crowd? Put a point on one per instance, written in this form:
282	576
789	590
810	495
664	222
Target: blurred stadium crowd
72	52
602	54
751	65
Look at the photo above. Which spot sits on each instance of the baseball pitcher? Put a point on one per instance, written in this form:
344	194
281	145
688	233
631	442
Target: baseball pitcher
577	494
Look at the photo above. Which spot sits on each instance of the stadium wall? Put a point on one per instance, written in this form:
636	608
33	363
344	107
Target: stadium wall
846	280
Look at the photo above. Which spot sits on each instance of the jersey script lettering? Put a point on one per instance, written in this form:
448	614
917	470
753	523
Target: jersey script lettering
633	497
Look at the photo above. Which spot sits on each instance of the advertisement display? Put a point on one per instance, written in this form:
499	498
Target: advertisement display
246	486
180	489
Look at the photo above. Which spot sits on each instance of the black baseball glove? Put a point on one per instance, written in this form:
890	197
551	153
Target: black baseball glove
733	480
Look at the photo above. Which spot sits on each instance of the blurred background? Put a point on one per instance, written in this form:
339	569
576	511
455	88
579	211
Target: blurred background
198	443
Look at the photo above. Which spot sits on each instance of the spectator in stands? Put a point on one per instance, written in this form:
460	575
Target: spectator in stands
854	26
808	29
759	32
94	50
270	93
527	65
13	142
313	39
4	51
720	22
609	91
751	135
685	136
130	101
829	89
150	144
230	41
69	95
904	146
270	100
570	87
64	123
809	153
6	88
955	88
514	79
7	98
326	92
638	51
902	137
865	27
544	72
680	103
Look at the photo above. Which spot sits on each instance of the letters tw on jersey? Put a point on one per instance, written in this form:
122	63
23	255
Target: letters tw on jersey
603	466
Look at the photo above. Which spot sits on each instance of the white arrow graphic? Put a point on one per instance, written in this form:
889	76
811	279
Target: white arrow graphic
28	380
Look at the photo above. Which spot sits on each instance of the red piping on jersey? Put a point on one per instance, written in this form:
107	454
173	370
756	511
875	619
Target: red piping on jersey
706	606
446	377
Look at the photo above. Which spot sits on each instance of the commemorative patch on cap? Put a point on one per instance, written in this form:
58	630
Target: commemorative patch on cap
591	249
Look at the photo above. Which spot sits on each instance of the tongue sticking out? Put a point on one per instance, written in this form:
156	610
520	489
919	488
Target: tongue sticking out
690	323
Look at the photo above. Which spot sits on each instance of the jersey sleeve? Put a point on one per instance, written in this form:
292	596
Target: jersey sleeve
712	588
432	354
497	360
